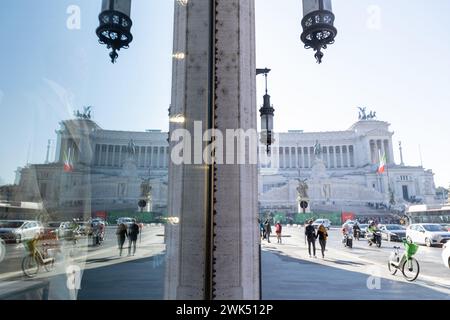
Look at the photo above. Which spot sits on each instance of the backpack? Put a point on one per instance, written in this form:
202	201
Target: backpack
278	228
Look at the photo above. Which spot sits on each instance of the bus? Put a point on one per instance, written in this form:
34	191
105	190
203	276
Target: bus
429	214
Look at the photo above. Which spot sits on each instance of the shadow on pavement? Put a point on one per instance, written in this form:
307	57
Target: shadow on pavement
139	279
288	278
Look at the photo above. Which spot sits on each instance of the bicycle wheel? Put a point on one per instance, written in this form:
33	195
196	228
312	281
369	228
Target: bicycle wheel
410	269
30	266
392	269
49	266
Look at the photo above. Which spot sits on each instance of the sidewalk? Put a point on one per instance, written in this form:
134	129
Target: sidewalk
132	279
288	278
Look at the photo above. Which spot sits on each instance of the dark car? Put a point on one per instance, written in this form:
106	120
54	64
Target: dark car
363	227
392	232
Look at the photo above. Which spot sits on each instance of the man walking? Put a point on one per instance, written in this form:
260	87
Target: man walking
132	237
310	234
268	229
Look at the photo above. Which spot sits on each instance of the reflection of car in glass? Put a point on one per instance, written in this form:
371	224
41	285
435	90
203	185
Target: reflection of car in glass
126	221
326	223
427	233
446	255
51	231
19	230
84	228
392	232
68	230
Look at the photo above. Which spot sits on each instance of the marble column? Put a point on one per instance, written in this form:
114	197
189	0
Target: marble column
235	187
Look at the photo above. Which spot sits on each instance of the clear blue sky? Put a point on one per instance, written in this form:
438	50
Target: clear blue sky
399	68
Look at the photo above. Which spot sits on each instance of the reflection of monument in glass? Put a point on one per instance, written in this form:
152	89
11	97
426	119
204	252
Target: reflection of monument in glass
107	170
341	171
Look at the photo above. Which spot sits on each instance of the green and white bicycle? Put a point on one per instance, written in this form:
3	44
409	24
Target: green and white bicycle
406	262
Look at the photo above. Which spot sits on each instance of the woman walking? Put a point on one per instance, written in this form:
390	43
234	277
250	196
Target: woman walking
278	229
121	235
322	234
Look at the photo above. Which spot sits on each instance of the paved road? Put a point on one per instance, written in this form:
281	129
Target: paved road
101	268
288	272
357	273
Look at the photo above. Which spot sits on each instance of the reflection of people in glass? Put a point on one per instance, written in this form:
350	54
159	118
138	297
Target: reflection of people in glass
121	235
132	237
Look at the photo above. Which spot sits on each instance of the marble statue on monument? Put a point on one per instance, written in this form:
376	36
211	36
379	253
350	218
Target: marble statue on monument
318	170
130	166
302	189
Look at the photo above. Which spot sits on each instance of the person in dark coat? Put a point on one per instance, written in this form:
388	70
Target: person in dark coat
268	229
121	233
310	234
133	232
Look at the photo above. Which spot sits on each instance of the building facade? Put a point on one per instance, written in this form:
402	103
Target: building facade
340	170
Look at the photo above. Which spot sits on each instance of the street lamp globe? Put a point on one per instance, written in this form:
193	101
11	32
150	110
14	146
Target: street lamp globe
267	113
115	26
318	26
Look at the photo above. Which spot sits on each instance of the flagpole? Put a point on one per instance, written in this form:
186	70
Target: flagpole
389	181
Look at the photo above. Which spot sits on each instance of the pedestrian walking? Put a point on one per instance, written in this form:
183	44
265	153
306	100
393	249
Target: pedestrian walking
310	234
121	233
133	233
322	235
268	229
262	230
278	229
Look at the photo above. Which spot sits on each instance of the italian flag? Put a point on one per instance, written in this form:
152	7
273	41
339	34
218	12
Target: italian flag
68	165
382	166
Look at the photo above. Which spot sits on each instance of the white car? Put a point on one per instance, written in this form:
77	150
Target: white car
326	223
446	255
19	230
429	234
126	221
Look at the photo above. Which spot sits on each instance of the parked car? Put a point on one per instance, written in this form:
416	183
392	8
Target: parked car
392	232
19	230
326	223
68	230
427	233
84	228
446	255
126	221
50	231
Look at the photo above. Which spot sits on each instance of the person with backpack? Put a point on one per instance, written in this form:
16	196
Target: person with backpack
322	234
278	229
310	234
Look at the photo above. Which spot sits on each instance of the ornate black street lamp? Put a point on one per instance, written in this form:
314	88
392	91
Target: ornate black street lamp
267	113
318	26
115	26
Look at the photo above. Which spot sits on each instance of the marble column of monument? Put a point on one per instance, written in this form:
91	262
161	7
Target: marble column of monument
236	255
